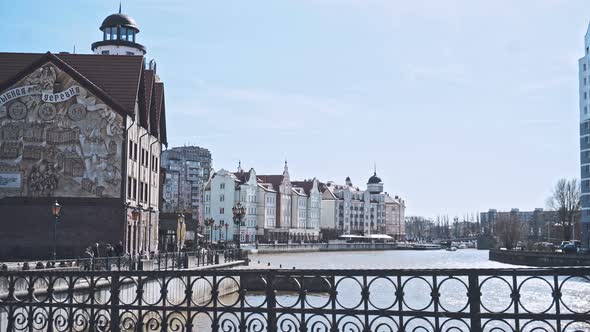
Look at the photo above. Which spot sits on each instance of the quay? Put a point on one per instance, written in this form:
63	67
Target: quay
536	258
336	246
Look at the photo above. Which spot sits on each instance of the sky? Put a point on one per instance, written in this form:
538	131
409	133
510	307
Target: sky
462	105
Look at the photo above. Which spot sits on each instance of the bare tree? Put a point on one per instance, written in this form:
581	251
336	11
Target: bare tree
565	199
508	229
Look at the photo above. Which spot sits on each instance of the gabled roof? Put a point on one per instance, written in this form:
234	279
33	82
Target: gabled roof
148	89
263	187
160	110
114	78
275	180
243	177
306	185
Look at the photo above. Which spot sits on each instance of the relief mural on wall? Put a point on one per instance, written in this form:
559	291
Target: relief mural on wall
57	139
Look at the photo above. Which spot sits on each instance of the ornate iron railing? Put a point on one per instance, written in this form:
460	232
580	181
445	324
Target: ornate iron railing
161	261
451	300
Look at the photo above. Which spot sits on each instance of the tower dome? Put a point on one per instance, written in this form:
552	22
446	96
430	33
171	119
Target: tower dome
374	179
375	185
118	36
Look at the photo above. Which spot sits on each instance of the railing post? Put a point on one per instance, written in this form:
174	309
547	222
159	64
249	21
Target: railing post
271	302
474	302
115	289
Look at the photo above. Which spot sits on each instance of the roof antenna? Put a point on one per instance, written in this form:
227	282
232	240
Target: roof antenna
375	169
119	7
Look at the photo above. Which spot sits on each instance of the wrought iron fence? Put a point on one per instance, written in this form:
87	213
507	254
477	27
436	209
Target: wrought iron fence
297	300
160	261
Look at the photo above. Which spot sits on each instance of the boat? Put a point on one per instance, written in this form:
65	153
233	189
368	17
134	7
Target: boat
452	249
462	246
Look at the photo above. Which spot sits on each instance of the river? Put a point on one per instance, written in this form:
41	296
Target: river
386	259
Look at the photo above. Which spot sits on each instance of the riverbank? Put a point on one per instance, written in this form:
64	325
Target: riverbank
535	258
328	247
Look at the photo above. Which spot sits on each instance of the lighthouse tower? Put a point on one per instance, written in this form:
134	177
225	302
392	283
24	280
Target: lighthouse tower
118	36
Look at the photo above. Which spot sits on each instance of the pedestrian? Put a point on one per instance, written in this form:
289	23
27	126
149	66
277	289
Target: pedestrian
95	251
110	251
119	249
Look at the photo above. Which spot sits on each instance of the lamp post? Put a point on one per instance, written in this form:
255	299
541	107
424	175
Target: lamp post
256	236
226	228
134	217
221	222
239	212
180	231
55	210
208	223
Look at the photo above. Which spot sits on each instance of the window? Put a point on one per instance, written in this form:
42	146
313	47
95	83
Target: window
130	53
584	67
124	33
134	189
221	210
584	80
135	151
104	52
585	109
129	187
222	186
130	149
222	198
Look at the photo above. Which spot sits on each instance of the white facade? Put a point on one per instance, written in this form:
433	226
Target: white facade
224	190
350	210
220	198
276	208
142	188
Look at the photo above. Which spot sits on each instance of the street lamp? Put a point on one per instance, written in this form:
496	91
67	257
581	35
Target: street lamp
256	236
221	222
208	223
55	211
239	212
134	217
180	231
226	227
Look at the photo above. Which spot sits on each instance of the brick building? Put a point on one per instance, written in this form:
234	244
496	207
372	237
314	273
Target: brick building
86	130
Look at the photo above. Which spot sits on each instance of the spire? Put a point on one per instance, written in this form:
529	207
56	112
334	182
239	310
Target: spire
119	7
240	170
375	169
286	170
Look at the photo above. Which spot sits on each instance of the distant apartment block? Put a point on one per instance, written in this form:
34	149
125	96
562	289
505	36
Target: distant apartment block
187	169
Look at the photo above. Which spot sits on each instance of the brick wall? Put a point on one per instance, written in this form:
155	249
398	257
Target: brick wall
26	226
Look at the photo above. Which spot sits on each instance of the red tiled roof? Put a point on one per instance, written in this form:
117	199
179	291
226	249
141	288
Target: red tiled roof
242	176
148	88
160	111
275	180
305	185
118	76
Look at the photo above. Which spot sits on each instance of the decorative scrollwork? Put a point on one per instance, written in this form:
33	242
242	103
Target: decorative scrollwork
297	301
